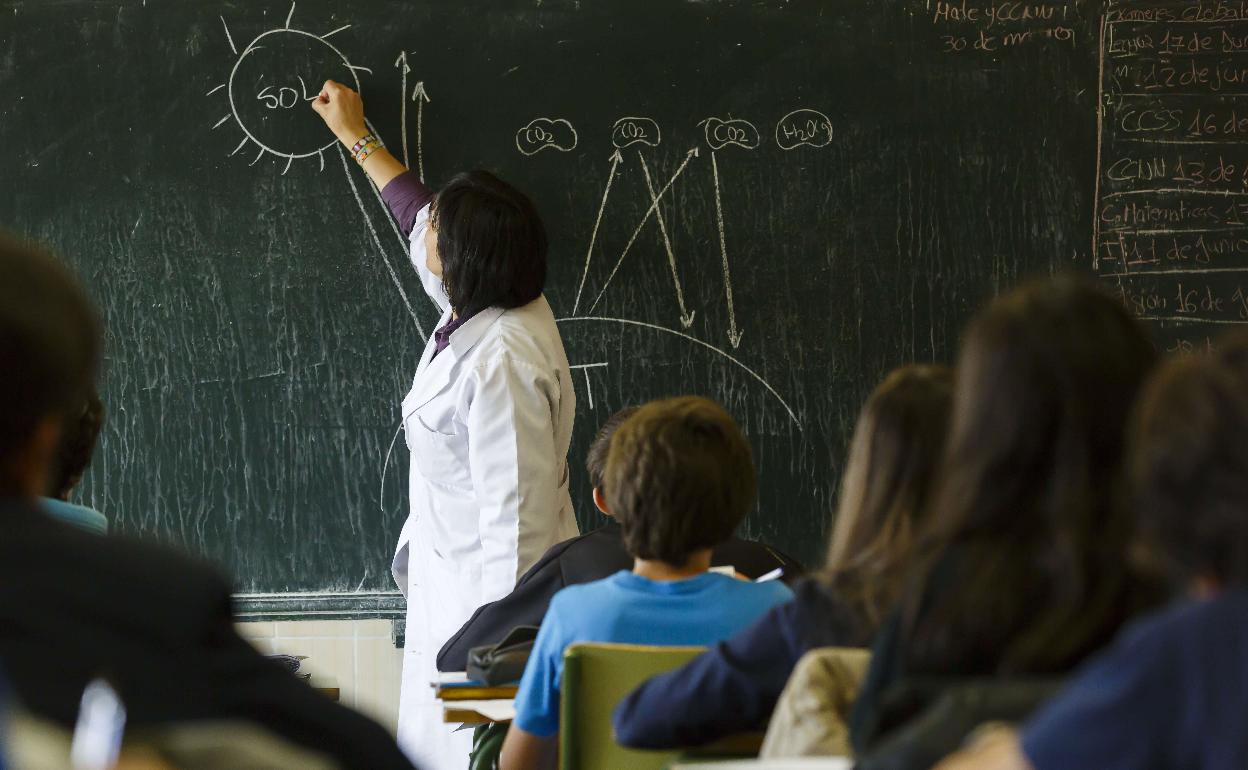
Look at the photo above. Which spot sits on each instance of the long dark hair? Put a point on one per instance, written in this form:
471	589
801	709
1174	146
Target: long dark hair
1024	564
884	488
491	242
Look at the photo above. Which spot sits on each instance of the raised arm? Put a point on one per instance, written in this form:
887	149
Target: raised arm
343	112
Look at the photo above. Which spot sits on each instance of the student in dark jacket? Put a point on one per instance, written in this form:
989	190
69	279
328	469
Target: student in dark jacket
75	607
1023	566
592	556
1172	691
734	686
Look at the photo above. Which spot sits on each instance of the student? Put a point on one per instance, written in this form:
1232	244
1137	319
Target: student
77	446
680	479
593	556
74	607
1172	692
734	686
489	416
1023	567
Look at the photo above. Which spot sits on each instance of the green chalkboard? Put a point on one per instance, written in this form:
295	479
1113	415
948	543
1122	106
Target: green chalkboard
771	203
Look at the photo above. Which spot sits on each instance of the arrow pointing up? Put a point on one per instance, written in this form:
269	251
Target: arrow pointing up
420	96
693	153
616	160
401	64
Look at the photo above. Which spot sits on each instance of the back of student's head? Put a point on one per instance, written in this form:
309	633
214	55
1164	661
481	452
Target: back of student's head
596	457
1189	468
679	478
1028	521
78	439
884	488
49	351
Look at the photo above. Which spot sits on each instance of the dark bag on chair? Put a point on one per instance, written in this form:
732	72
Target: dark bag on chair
504	662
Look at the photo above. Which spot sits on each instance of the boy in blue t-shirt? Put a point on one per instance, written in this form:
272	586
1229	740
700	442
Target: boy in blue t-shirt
679	479
1172	691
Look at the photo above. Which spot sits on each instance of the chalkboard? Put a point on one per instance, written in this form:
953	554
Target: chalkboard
771	203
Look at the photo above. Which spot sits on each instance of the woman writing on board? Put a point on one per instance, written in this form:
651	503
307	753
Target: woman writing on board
488	419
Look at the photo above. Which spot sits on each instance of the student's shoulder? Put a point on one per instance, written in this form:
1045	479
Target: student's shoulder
587	593
767	594
1192	624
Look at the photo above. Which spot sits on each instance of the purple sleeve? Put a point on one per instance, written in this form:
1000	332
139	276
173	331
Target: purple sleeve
406	195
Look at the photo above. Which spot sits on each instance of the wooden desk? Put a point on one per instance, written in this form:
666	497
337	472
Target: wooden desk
472	703
478	712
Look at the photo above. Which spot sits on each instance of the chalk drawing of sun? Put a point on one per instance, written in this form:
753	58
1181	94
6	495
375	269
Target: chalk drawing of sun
270	85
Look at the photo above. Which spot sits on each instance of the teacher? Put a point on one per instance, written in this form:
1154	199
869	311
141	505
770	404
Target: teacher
488	419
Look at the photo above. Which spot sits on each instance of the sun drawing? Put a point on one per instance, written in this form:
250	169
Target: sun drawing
270	85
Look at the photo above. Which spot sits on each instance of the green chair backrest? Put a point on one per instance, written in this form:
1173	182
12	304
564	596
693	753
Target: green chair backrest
595	678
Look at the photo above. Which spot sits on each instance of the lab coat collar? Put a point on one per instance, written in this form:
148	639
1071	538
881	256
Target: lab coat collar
467	336
434	376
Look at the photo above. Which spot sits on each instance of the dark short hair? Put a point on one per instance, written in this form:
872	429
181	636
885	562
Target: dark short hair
1189	467
679	478
78	441
49	346
596	457
491	242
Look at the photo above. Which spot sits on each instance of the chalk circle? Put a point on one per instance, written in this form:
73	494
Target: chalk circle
271	85
722	133
630	131
803	128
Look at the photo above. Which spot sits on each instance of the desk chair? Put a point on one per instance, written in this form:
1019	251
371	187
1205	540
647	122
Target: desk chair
595	678
812	715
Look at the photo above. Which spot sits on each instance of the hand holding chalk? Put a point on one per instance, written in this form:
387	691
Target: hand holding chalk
342	110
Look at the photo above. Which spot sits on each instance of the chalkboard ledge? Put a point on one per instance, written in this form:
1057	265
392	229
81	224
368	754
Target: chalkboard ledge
353	605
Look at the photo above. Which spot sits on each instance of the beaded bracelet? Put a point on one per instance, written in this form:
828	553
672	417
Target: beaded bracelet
364	140
365	151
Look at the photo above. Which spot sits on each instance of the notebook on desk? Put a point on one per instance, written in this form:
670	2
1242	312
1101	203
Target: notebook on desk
455	685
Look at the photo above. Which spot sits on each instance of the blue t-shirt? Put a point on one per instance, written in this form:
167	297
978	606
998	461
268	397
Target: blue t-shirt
630	609
78	515
1172	692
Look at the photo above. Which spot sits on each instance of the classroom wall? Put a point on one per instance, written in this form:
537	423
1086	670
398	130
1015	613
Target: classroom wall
357	656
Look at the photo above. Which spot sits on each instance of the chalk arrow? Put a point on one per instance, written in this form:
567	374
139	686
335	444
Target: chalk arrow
734	335
654	206
616	159
686	318
420	96
401	64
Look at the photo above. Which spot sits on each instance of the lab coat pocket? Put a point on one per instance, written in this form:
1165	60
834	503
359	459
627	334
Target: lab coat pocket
441	458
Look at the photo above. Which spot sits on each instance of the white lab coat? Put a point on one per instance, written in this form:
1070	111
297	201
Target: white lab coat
488	422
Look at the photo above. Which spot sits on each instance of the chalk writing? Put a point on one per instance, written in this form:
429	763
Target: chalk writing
276	72
546	133
630	131
803	128
969	26
1171	224
722	133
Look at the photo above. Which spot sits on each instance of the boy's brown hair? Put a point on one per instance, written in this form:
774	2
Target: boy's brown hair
596	457
679	478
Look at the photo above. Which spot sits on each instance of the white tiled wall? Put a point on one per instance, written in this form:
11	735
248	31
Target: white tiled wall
356	656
